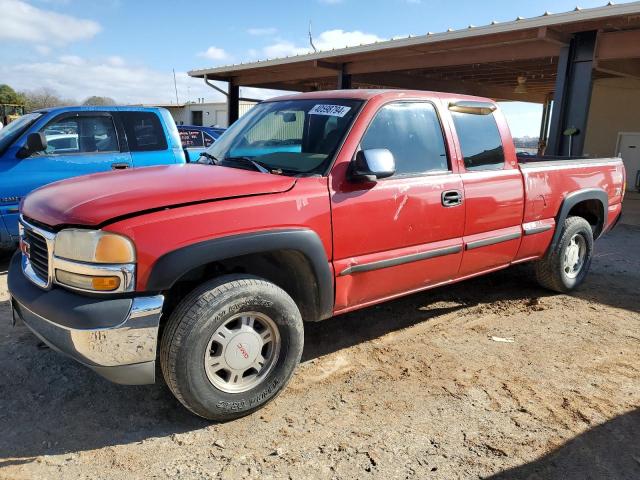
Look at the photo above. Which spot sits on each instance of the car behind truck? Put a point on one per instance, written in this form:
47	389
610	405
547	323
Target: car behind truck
53	144
310	206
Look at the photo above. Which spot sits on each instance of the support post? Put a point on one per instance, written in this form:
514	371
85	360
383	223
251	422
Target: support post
544	127
233	103
344	80
572	95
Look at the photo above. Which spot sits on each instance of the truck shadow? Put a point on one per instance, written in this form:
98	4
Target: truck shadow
51	405
609	450
5	256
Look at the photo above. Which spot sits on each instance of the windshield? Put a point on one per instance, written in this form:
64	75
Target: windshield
16	128
291	137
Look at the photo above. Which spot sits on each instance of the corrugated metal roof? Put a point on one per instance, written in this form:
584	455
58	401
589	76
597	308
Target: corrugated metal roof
547	19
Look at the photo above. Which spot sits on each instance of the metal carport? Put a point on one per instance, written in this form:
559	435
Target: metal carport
553	57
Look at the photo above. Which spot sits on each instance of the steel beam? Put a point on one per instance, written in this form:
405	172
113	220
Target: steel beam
233	103
344	80
572	94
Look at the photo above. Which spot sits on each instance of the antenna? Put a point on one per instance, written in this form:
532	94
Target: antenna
175	86
311	38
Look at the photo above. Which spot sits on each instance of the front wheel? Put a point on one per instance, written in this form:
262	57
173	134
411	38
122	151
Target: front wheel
231	346
565	267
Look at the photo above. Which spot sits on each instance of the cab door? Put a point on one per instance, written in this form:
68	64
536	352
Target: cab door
402	233
493	186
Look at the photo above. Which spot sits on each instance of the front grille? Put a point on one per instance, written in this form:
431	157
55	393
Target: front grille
38	253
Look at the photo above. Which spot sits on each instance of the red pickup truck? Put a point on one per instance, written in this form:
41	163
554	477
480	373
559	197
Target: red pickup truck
309	206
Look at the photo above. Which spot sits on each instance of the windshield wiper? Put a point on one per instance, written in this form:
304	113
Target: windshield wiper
213	160
257	165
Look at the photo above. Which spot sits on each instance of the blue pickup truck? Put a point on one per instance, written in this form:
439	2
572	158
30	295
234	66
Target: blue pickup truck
53	144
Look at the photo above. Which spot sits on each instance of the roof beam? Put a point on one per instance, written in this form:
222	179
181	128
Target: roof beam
553	36
618	45
398	80
621	68
501	53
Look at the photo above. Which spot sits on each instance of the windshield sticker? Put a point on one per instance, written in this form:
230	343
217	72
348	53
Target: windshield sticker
331	110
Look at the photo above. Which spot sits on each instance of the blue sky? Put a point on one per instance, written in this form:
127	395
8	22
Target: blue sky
126	49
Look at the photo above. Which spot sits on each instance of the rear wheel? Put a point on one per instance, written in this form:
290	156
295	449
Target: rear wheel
231	346
565	267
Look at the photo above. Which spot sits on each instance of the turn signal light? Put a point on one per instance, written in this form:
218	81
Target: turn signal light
88	282
105	283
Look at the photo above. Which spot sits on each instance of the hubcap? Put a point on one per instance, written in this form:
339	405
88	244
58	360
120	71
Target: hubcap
242	351
574	256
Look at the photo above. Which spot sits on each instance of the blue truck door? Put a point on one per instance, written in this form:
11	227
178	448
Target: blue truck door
78	143
147	139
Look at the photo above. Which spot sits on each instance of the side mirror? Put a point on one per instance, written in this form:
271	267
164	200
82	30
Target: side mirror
371	165
36	142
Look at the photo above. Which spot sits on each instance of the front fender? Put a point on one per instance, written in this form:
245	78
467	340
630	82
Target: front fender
172	266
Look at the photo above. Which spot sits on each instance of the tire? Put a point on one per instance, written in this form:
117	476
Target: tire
220	311
553	272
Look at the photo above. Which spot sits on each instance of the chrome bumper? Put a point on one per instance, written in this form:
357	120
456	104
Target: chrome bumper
125	353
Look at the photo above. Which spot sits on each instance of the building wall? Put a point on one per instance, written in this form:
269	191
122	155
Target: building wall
212	113
615	107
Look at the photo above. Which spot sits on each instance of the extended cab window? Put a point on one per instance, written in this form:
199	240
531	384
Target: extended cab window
480	141
81	134
144	131
412	132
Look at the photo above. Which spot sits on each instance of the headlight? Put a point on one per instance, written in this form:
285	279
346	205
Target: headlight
94	261
94	246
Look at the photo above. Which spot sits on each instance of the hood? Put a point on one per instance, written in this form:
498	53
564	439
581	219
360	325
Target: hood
96	199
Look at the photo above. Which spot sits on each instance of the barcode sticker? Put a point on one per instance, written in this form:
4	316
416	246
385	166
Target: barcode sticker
331	110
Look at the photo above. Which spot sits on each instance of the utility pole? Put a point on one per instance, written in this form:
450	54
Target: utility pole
175	85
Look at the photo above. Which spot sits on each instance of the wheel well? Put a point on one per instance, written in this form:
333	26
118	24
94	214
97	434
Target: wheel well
592	211
289	269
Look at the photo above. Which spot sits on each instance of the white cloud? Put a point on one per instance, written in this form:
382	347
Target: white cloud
283	49
71	60
340	39
43	49
214	53
115	61
327	40
78	78
23	22
262	31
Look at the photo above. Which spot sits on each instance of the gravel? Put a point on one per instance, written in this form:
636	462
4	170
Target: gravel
415	388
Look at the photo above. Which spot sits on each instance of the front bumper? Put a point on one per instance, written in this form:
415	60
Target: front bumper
115	337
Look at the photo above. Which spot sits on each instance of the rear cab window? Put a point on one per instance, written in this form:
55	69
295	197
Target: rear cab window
144	131
479	137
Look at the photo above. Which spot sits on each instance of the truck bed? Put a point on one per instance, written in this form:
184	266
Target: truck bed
548	181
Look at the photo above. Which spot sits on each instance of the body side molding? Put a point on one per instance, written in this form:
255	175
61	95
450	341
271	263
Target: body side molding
392	262
485	242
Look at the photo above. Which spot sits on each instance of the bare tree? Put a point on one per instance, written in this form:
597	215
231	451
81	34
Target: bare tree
99	101
45	97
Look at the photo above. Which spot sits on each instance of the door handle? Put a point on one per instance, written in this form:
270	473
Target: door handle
451	198
119	166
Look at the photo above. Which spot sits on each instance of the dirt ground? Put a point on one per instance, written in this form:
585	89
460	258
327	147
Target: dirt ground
415	388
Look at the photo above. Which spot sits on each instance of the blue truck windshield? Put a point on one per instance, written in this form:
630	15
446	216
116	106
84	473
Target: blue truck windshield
16	128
